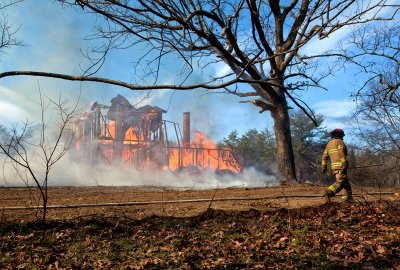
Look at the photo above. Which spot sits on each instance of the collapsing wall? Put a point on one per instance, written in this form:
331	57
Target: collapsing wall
122	134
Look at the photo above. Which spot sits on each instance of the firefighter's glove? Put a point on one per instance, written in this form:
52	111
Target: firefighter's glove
324	170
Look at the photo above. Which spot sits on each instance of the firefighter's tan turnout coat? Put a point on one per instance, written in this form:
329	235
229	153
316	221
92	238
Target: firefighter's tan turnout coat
336	151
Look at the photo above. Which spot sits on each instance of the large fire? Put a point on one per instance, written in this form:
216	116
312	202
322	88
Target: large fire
139	136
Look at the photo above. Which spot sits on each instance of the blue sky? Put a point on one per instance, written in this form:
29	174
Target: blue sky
54	38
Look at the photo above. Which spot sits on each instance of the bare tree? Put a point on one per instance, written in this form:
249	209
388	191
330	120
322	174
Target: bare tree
33	157
378	125
377	54
378	100
7	32
374	114
261	41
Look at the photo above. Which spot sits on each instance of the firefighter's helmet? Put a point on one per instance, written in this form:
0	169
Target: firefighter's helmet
337	133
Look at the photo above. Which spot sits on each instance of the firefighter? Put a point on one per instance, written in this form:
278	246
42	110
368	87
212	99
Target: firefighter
336	151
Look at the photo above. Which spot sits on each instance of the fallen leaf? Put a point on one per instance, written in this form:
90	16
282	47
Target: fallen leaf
380	249
88	241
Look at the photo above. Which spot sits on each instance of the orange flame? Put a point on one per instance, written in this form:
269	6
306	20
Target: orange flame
203	153
130	136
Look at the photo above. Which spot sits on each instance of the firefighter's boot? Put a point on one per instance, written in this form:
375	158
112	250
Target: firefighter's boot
348	197
348	194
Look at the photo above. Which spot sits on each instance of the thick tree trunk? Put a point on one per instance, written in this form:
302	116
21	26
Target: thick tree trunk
285	156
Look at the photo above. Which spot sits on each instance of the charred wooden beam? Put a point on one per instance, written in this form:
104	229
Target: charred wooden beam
186	129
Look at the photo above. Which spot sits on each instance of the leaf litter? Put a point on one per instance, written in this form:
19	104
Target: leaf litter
336	235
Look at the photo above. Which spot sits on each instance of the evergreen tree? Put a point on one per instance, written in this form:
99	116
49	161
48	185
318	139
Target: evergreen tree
308	144
253	149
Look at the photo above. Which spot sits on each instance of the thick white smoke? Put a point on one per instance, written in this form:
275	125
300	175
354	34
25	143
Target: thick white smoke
68	172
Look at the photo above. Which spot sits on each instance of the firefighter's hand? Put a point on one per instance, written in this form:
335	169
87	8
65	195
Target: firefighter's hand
324	170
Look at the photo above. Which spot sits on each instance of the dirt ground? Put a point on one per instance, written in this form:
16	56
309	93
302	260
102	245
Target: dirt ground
163	201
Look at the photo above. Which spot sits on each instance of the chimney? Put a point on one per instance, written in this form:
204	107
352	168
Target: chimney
186	129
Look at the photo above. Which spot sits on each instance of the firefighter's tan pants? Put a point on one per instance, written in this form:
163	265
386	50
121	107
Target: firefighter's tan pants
342	182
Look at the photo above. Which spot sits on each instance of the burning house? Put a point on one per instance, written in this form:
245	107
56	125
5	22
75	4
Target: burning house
121	134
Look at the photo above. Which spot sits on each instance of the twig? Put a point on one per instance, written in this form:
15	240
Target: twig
212	199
